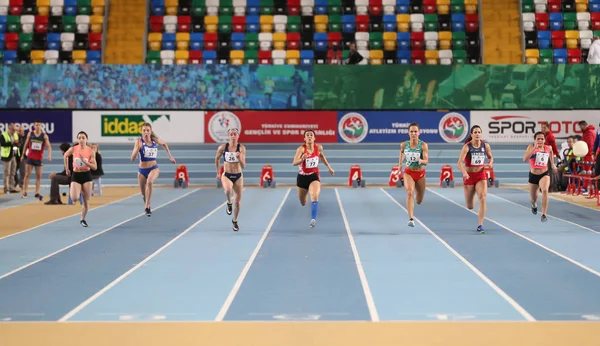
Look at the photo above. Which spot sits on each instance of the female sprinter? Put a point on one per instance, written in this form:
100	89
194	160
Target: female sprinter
416	153
234	160
35	143
308	182
147	148
84	161
472	165
539	155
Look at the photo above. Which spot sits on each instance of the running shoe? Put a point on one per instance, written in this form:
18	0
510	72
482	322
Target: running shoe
235	226
544	218
148	212
83	223
534	208
480	229
411	223
229	208
313	222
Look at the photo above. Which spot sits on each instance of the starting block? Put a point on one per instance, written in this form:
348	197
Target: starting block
181	177
219	184
355	178
396	177
491	177
446	176
267	178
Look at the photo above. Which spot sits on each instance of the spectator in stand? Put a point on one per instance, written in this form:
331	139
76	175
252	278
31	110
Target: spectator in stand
99	171
354	57
61	178
588	136
551	141
568	161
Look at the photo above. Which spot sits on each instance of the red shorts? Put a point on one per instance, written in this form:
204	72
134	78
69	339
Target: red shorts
415	175
475	177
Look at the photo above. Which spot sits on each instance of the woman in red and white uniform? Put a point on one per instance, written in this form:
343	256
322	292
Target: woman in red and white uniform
35	144
539	156
308	182
472	165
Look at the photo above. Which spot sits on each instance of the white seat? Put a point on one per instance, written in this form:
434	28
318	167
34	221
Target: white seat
362	9
240	3
167	61
280	22
278	57
365	54
541	8
417	18
445	56
167	54
431	40
417	27
388	2
239	11
67	46
528	17
307	10
528	26
57	3
67	37
389	9
56	10
27	23
85	19
585	43
50	54
308	3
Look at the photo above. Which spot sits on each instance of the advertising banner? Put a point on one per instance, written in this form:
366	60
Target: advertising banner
126	126
390	126
520	126
57	124
270	126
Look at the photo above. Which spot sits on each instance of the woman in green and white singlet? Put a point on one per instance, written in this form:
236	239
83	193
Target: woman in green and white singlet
416	154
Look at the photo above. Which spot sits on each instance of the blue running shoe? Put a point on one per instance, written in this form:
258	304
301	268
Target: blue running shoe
480	229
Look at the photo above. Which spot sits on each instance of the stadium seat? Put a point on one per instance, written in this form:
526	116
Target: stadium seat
314	31
51	31
559	31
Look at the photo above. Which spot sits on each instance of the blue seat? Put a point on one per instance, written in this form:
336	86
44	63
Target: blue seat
237	40
458	22
93	57
348	23
196	40
70	7
321	6
402	6
157	7
403	40
209	57
404	57
389	22
594	5
252	8
3	20
252	23
560	56
544	39
1	42
556	21
320	40
53	41
168	41
307	57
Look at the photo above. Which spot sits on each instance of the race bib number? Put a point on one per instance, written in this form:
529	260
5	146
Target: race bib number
230	157
477	159
36	146
412	157
312	162
151	153
79	162
541	159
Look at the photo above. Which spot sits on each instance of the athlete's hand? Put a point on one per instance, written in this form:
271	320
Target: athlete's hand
303	157
331	171
172	159
218	176
466	176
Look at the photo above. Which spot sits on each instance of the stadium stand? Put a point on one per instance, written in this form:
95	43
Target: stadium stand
51	31
313	31
559	31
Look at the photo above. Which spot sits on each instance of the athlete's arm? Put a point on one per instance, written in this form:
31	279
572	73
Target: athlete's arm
66	161
47	140
401	154
322	155
136	148
425	159
242	156
27	139
166	146
488	150
299	157
552	158
219	153
528	152
92	164
461	159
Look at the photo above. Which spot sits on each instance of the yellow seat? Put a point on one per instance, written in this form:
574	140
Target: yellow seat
37	62
211	23
321	22
237	57
431	57
154	40
98	7
403	18
266	23
292	57
279	39
581	5
182	57
389	40
471	6
445	39
96	24
443	6
79	56
37	55
403	27
171	3
572	37
376	57
43	3
533	56
43	7
171	11
183	40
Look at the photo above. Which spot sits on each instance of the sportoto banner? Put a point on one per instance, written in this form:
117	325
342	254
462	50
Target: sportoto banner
385	126
270	126
57	124
520	126
125	127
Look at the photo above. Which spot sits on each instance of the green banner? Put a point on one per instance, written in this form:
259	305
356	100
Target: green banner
473	87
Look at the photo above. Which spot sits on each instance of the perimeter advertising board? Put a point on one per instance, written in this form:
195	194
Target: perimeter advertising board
57	124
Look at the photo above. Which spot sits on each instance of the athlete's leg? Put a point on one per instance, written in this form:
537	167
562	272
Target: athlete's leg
420	187
545	186
409	185
86	191
238	187
481	189
75	191
469	196
533	195
28	169
152	176
227	188
142	184
38	178
314	189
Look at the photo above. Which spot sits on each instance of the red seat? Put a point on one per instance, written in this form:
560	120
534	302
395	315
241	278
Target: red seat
430	6
472	22
293	7
418	57
362	23
334	57
417	40
16	7
239	23
375	7
95	40
293	40
183	23
264	57
574	56
335	39
210	41
195	57
156	23
595	18
541	21
554	6
41	24
10	45
558	39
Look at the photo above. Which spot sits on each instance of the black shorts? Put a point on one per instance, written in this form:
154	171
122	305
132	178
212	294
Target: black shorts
233	176
303	181
535	178
81	177
36	163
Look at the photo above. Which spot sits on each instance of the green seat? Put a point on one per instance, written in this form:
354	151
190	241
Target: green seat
457	6
527	6
334	7
69	24
570	21
251	57
25	41
460	56
225	24
198	8
13	23
335	23
546	56
458	39
84	7
376	41
266	7
251	41
226	7
431	22
153	57
293	24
